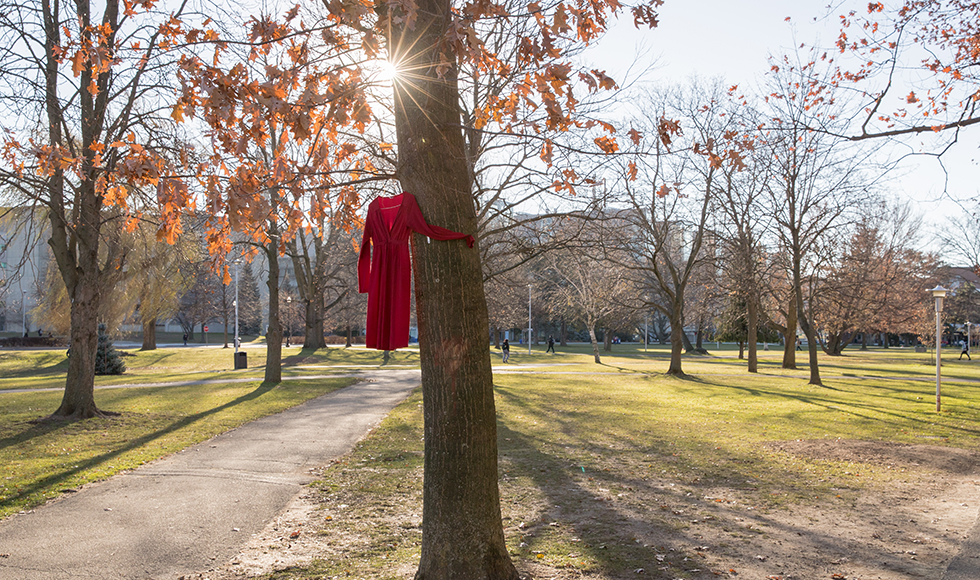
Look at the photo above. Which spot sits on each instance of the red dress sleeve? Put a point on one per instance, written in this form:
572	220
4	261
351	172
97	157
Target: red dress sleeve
364	259
417	222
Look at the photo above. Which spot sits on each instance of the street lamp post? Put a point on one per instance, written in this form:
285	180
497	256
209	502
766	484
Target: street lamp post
289	318
236	307
939	293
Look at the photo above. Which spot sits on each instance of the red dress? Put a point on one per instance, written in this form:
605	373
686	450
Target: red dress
387	274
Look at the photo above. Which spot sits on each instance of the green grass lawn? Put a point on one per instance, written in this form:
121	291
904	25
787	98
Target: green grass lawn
569	430
43	460
46	368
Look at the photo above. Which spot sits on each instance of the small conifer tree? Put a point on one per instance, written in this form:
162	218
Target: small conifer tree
107	360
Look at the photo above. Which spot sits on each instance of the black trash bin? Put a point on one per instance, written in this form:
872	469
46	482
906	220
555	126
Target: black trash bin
241	360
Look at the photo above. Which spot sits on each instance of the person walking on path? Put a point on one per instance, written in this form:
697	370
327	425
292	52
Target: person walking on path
551	345
185	339
965	351
505	347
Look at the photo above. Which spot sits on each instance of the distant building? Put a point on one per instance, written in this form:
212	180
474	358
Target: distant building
24	259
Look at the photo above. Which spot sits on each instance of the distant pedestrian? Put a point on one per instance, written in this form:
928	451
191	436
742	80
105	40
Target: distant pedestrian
799	344
965	351
185	339
506	348
551	345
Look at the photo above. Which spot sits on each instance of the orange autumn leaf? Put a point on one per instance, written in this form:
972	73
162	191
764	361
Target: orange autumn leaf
607	144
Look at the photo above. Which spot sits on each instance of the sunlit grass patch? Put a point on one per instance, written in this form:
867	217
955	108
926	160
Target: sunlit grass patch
44	460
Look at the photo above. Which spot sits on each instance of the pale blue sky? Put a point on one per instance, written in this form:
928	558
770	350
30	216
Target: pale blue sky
732	39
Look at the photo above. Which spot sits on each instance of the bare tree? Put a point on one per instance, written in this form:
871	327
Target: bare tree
741	229
594	290
669	194
817	180
318	262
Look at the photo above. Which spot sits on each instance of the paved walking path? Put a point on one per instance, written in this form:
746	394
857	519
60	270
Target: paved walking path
189	511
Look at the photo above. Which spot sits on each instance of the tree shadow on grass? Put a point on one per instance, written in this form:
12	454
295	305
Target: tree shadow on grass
52	364
644	498
54	479
34	429
307	355
822	397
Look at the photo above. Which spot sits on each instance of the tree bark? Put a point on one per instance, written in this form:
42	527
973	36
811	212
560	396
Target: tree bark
149	335
595	344
753	332
78	401
314	338
75	246
686	341
677	340
273	337
224	319
462	533
311	278
807	327
789	335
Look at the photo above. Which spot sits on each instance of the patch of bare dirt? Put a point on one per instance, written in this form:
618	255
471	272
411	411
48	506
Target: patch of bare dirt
907	528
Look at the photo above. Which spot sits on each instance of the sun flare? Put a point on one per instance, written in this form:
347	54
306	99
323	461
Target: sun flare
387	71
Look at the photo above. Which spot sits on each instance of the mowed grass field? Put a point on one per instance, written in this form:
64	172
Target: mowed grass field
564	423
199	396
586	447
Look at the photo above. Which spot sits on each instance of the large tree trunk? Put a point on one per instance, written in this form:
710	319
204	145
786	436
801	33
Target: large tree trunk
149	334
273	338
78	401
607	337
462	533
314	324
75	246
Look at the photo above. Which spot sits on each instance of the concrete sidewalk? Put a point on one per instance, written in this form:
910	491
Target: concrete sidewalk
187	512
